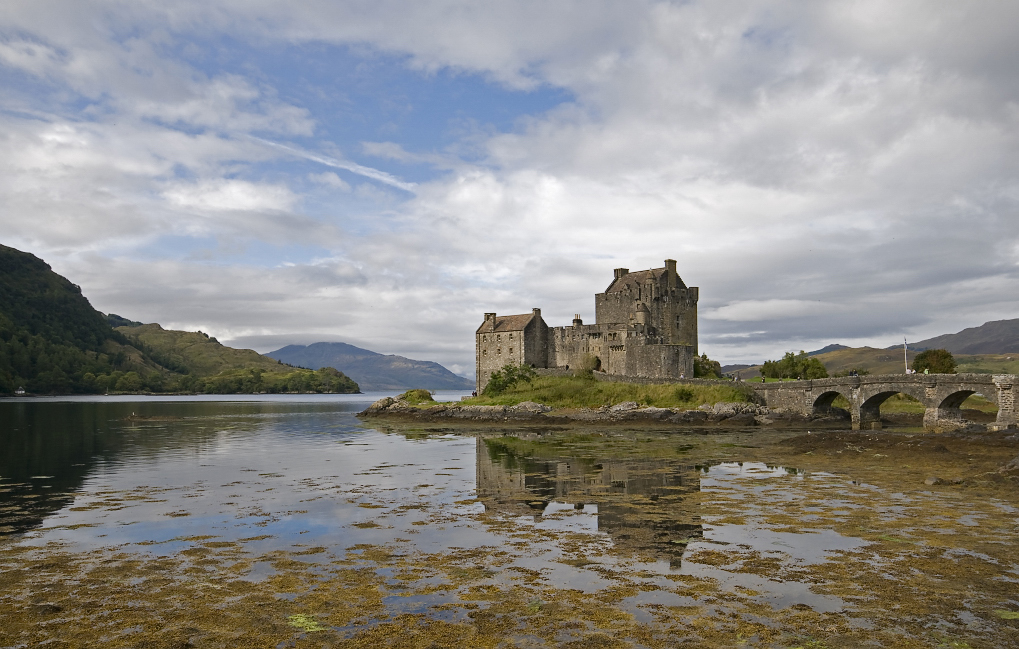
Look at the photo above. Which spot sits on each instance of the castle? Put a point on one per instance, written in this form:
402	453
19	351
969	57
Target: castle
645	326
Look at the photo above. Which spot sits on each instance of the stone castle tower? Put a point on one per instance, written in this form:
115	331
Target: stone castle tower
645	326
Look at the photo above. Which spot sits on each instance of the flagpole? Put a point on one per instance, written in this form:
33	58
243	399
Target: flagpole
905	360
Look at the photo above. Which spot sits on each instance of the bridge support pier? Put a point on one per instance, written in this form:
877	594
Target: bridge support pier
1007	416
943	420
866	416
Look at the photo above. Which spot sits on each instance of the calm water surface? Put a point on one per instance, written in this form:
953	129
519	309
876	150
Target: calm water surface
298	525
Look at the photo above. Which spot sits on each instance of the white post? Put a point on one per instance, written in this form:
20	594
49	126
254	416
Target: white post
905	360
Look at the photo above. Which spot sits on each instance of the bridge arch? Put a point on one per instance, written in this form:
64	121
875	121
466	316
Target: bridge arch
956	399
870	409
823	404
945	412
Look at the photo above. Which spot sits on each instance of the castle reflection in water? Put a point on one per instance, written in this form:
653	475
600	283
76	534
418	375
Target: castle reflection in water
647	506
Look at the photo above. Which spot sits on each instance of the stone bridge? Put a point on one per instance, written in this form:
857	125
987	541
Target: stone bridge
941	395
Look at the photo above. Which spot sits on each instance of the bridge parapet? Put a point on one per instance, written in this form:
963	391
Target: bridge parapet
941	394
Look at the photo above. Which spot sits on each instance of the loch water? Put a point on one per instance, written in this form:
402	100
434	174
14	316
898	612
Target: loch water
277	521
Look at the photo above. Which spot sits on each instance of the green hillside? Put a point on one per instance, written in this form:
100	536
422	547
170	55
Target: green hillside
205	365
196	353
53	342
51	339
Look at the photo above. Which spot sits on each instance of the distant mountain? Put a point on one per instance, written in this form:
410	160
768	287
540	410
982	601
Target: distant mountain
735	367
371	370
827	348
996	337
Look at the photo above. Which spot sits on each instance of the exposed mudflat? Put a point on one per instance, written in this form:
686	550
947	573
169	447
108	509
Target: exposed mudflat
297	526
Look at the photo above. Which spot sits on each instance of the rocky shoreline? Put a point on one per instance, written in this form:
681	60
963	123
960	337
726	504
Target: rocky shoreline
529	412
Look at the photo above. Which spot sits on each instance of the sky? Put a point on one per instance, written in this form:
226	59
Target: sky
384	172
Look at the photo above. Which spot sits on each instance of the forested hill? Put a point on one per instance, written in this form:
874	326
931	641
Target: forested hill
50	336
372	370
39	302
53	342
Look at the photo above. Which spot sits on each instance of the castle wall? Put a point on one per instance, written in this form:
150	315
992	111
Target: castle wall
497	345
568	346
659	361
536	342
646	326
671	305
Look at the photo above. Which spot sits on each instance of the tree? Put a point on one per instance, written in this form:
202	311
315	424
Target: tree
705	368
795	366
505	378
130	382
936	361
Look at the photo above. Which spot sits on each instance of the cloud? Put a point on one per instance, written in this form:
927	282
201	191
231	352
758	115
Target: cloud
231	195
832	172
330	179
346	165
775	309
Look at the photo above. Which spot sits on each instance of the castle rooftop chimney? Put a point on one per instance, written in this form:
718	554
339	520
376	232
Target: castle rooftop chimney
536	312
619	272
489	316
671	278
576	320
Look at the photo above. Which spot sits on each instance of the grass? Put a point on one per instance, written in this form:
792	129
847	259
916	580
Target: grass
417	397
582	392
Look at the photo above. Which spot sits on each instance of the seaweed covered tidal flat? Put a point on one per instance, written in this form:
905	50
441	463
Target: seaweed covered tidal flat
286	523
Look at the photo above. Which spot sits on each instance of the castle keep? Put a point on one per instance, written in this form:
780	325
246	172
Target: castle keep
645	326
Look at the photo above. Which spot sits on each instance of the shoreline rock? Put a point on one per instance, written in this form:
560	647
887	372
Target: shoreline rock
742	414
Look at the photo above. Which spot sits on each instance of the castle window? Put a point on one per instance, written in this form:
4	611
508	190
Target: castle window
498	337
499	351
484	352
511	338
511	350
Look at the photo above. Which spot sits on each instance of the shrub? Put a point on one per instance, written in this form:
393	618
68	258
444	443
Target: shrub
936	361
416	397
683	394
705	368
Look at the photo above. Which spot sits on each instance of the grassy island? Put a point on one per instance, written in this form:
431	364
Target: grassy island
587	392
